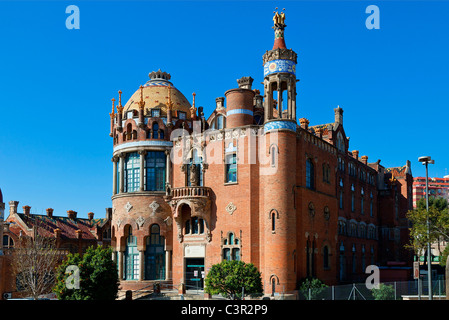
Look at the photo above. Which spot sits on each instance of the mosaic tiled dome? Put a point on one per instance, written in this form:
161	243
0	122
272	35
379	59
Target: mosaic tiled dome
155	95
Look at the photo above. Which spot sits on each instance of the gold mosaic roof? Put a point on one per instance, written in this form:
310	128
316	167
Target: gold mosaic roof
155	94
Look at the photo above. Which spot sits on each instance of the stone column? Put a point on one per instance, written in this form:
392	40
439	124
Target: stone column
293	101
114	175
279	99
167	168
141	265
142	154
120	257
122	172
167	264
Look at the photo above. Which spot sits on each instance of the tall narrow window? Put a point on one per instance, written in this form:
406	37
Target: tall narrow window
273	156
155	170
341	193
352	198
371	204
132	172
231	168
131	261
220	122
273	221
310	174
362	202
326	257
155	255
155	130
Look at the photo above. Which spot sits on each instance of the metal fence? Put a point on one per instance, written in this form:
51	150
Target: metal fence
400	290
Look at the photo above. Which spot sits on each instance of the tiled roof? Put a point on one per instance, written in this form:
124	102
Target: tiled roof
67	226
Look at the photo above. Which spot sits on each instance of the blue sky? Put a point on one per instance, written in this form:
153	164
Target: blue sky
56	84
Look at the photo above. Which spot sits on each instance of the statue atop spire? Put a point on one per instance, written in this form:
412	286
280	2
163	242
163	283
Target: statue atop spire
279	26
279	19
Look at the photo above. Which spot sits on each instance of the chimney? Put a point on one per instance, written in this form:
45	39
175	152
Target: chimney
220	102
304	123
13	206
319	132
338	115
26	210
57	233
109	213
365	159
50	212
79	234
355	154
245	82
90	215
71	214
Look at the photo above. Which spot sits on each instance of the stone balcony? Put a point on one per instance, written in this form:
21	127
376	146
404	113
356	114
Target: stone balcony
190	192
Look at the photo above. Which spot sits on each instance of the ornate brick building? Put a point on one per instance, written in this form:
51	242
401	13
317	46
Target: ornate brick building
248	182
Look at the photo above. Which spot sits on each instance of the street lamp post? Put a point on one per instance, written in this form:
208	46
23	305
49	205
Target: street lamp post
425	161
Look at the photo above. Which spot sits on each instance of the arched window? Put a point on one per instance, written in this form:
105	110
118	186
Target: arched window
131	261
273	221
273	155
155	255
310	174
220	122
8	242
340	143
231	247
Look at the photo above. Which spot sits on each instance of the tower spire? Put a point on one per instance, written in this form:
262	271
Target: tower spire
279	26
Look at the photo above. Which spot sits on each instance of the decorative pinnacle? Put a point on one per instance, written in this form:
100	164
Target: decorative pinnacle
169	103
119	107
112	114
141	103
193	104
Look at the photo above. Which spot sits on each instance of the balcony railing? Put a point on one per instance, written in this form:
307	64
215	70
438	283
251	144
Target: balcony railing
191	192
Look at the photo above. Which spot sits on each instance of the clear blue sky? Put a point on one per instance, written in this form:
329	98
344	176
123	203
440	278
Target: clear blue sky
56	84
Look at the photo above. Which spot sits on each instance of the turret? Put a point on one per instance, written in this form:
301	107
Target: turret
240	104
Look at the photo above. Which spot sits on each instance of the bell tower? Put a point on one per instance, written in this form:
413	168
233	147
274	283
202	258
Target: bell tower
279	75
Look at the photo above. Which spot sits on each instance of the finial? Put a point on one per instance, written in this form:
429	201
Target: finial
141	103
113	108
169	103
194	94
119	107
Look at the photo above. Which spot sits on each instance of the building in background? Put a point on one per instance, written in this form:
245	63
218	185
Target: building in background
438	187
72	235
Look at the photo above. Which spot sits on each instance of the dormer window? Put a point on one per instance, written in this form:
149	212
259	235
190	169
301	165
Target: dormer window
156	113
181	115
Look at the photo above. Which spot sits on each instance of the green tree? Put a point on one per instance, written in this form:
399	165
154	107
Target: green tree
384	292
439	223
98	278
316	288
229	277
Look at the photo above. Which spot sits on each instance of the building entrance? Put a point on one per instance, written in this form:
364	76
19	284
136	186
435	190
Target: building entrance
194	273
